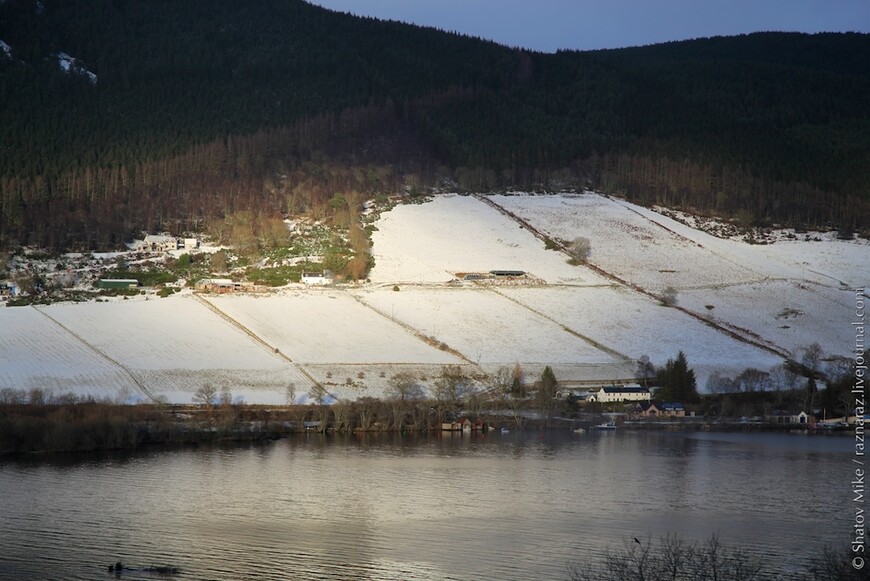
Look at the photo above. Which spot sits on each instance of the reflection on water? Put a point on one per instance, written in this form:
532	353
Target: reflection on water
496	506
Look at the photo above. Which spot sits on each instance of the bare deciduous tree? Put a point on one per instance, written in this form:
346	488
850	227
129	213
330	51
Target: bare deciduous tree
783	378
718	383
645	370
367	410
580	248
838	368
342	413
451	389
290	393
669	296
501	386
751	380
403	390
205	395
404	386
38	396
669	559
318	399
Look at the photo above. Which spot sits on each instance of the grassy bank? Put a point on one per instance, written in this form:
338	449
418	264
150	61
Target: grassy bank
83	427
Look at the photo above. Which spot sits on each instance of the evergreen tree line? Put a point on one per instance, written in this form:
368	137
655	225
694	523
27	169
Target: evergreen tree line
198	109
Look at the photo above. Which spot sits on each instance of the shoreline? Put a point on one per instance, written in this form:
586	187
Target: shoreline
97	428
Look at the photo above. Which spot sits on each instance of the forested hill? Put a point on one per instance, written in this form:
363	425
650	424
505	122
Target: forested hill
118	116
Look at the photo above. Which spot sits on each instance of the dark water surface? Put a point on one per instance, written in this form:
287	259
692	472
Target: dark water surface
500	506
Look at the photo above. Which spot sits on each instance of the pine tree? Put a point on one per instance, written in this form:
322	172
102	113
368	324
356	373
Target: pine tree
677	381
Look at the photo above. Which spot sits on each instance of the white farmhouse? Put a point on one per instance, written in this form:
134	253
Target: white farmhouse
155	243
161	242
618	393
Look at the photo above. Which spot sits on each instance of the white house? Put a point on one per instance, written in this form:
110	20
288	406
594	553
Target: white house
618	393
161	242
315	278
155	243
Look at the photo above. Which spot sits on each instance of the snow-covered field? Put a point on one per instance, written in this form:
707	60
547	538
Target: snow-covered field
35	353
422	243
175	345
486	327
788	294
326	326
585	324
629	321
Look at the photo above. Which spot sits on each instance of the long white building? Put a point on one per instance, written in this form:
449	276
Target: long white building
618	393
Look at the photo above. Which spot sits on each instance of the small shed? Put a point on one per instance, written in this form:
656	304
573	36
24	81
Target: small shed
315	278
117	283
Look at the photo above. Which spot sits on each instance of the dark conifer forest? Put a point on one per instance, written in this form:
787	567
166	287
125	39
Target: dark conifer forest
203	109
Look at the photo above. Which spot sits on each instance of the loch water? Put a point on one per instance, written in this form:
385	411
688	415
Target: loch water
519	505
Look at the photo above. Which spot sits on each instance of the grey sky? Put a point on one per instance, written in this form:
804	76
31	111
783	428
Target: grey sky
547	25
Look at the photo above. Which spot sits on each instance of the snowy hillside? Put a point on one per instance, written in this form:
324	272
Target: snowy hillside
36	353
172	347
787	295
738	306
433	241
328	327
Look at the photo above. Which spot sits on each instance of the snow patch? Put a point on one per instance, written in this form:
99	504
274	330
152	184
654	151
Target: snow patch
72	65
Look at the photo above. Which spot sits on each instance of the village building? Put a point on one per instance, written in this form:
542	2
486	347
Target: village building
646	410
620	393
673	409
155	243
456	426
464	425
781	418
218	285
659	410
